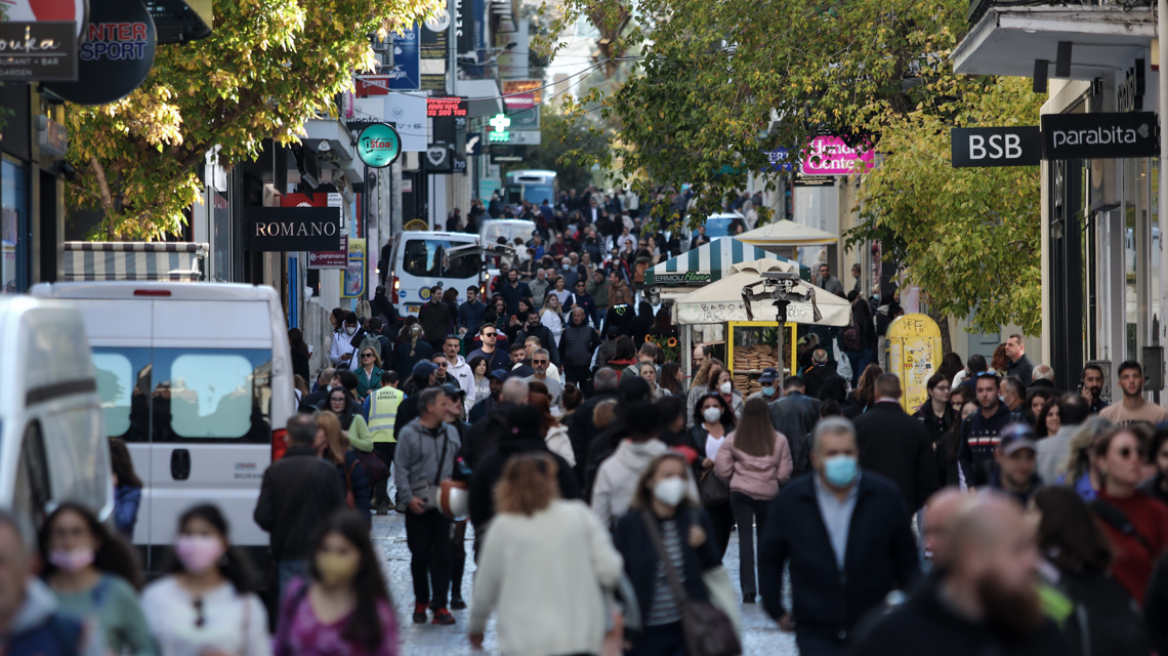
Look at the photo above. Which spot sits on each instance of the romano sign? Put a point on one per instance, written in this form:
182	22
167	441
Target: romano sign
1099	136
294	228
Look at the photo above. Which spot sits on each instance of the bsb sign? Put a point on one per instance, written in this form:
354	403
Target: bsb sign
983	147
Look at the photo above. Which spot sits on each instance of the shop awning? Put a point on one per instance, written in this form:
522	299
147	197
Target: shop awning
722	301
787	233
705	264
174	261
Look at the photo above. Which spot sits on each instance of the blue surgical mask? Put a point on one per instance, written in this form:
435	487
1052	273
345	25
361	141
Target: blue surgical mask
768	391
840	471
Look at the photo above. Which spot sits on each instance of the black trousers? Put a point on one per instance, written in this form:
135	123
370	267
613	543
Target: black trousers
580	377
748	512
457	558
385	451
722	517
428	537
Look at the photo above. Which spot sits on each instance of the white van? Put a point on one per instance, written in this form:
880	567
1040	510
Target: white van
509	229
420	261
197	379
52	445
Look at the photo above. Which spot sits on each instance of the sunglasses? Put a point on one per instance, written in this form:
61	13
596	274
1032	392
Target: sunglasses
1127	452
366	355
539	362
489	334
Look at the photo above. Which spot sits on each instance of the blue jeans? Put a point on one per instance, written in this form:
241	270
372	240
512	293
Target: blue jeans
287	570
860	361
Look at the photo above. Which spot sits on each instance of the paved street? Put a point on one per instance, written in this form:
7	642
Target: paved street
762	636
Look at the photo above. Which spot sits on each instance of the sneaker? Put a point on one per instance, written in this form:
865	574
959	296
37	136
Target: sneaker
456	603
420	613
442	616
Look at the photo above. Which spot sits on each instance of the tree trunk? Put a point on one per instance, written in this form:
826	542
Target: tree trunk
942	323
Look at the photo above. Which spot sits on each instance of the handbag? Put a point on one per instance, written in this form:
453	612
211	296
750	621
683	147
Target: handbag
707	631
712	489
375	469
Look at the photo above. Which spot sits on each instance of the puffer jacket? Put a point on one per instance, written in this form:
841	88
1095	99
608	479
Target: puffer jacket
577	344
758	477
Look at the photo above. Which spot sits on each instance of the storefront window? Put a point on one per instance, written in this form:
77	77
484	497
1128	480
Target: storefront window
13	222
1133	243
1153	167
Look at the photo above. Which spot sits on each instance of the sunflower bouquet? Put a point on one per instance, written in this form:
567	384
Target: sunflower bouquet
670	352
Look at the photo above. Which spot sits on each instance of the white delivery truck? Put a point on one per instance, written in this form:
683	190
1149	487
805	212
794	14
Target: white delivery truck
197	379
52	444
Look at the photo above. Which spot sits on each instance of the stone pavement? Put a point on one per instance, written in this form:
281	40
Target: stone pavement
762	636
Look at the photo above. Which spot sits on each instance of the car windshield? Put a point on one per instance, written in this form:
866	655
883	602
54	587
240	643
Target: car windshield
492	231
427	258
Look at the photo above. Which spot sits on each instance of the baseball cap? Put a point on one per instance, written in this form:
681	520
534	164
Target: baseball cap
425	369
769	375
501	374
452	390
1015	437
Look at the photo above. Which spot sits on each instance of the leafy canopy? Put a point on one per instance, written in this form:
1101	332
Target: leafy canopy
269	66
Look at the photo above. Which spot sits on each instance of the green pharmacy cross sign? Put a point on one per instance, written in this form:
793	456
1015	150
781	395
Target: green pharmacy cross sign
379	145
500	123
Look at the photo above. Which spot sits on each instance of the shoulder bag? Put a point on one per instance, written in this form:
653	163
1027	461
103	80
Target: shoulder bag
707	630
426	491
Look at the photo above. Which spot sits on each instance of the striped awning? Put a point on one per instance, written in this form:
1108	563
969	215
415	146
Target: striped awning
705	264
173	261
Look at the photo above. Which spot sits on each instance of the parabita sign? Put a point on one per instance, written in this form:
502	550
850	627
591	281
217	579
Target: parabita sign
286	229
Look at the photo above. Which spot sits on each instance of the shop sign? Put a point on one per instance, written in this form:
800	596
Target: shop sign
354	276
802	180
446	107
372	85
1131	90
777	161
434	51
38	51
379	145
338	259
116	56
831	156
1099	136
45	11
534	87
406	72
985	147
438	158
289	229
686	277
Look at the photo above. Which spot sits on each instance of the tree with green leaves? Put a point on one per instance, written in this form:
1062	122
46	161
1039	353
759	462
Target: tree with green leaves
268	68
567	147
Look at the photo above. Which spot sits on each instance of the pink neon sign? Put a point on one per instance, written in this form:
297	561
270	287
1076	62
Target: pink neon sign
831	156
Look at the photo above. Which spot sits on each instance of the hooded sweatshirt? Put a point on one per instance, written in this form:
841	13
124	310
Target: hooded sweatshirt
458	369
616	480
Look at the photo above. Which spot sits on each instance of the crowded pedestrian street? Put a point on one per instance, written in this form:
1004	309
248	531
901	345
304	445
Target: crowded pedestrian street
583	328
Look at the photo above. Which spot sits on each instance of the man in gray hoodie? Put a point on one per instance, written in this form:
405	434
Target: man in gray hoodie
539	287
426	450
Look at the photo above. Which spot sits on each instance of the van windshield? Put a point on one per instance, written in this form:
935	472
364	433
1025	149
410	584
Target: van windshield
509	231
426	258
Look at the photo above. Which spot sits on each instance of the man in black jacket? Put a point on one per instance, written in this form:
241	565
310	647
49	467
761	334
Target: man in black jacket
581	430
299	492
896	446
533	328
847	537
983	601
794	416
486	433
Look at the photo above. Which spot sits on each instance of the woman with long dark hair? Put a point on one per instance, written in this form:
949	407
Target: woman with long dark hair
1048	421
864	395
713	420
93	574
624	356
343	606
670	379
338	452
299	353
546	558
413	350
206	604
755	460
341	404
127	489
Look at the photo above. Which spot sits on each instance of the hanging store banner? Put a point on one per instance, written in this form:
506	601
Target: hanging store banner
354	276
439	158
379	145
287	229
1099	136
434	54
534	87
338	259
407	113
985	147
831	156
406	72
38	51
44	11
116	55
464	25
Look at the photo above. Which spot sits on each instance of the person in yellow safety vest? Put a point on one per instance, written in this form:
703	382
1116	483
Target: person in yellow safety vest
382	408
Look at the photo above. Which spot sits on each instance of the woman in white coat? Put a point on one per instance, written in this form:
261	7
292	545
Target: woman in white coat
543	558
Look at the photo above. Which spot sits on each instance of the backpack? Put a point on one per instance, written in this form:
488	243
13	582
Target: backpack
1105	619
851	337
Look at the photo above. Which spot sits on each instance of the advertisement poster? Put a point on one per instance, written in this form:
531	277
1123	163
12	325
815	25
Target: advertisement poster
354	281
406	72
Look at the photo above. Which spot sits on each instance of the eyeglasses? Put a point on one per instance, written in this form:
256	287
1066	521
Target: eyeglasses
335	401
441	365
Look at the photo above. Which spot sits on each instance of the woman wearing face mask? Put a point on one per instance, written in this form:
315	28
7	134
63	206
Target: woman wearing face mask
660	505
413	349
344	606
205	605
543	567
704	381
713	421
731	396
93	575
755	459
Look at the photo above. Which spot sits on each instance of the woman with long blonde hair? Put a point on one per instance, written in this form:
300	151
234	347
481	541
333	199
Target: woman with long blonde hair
1077	471
543	557
706	376
552	316
338	451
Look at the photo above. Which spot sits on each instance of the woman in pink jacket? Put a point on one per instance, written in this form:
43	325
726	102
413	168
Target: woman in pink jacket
755	459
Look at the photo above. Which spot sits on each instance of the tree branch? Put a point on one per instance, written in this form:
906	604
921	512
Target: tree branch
107	201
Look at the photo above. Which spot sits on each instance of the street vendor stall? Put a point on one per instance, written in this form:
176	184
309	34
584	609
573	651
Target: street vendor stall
751	344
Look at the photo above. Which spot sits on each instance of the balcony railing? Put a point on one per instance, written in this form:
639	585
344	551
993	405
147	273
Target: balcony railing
978	8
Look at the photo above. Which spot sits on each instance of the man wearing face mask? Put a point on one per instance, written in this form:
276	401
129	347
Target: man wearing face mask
341	351
834	586
769	377
983	602
299	492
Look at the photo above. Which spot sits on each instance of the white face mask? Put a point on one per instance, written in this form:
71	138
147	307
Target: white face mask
670	491
712	415
725	388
